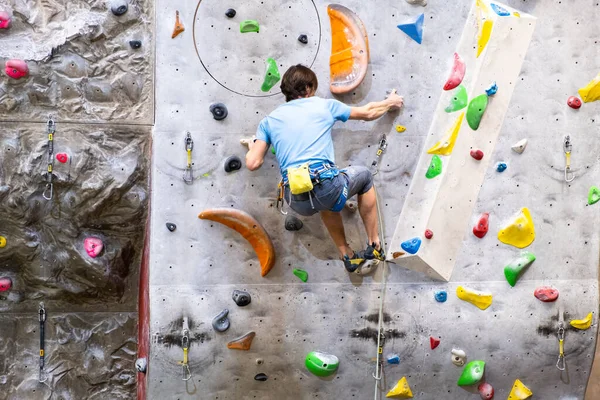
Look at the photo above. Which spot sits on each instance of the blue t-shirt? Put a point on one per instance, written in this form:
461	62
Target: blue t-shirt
300	130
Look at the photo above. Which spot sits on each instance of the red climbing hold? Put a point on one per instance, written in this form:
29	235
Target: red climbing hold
574	102
5	284
16	69
477	154
486	391
62	157
428	234
546	294
481	229
457	74
434	342
93	246
4	20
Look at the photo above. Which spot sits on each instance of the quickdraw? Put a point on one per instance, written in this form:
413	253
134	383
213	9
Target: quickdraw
280	200
42	318
189	146
568	147
185	345
560	363
50	129
380	150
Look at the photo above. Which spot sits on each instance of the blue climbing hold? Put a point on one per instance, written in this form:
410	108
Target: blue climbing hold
441	296
411	246
501	167
501	11
393	359
492	90
414	29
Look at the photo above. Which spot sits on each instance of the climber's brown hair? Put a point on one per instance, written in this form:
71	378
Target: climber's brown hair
298	82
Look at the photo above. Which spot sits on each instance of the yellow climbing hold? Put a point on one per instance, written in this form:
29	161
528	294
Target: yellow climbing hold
2	242
484	36
401	390
482	7
582	324
480	300
516	14
400	128
444	147
591	92
519	232
519	391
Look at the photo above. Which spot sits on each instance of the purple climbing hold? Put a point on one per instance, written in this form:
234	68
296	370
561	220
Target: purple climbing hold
411	246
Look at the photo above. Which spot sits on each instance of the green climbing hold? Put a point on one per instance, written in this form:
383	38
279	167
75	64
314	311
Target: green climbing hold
459	100
593	195
476	109
271	75
249	25
472	373
514	269
321	364
435	167
272	149
303	275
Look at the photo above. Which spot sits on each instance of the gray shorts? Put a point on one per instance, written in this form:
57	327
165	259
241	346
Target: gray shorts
325	194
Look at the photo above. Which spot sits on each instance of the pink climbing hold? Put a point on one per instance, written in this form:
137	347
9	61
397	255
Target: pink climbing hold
93	246
62	157
434	342
428	233
477	154
457	74
4	20
546	294
16	69
5	284
481	229
486	391
574	102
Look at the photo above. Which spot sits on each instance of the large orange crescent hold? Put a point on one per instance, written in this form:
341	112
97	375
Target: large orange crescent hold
349	50
250	229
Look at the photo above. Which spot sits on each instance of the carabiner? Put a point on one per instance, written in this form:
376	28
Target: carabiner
560	363
280	199
48	192
185	344
568	148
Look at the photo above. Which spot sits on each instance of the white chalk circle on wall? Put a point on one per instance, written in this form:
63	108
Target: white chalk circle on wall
238	61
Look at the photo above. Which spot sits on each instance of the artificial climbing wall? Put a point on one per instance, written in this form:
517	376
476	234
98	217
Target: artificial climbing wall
83	71
195	268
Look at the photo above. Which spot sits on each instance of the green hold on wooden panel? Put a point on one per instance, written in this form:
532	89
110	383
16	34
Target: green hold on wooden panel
472	373
303	275
272	75
435	167
459	100
476	109
249	25
514	269
593	195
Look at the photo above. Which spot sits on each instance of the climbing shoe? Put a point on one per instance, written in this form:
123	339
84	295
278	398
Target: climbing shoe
371	253
351	264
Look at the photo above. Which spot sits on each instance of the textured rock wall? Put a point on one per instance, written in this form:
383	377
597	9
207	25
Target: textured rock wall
99	90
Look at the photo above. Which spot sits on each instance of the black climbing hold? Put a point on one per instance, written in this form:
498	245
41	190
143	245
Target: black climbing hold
230	13
261	377
292	223
119	7
233	163
220	323
171	227
241	298
135	44
303	39
219	111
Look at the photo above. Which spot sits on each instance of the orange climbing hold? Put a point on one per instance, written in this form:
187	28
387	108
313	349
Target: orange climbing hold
242	343
178	26
250	229
349	50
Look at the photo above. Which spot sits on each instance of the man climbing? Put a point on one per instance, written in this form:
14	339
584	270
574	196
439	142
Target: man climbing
300	132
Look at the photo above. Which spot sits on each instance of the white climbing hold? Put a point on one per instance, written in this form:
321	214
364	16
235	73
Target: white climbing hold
419	2
520	146
459	357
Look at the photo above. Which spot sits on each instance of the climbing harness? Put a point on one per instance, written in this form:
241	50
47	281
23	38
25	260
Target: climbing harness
380	150
568	147
185	345
189	146
42	318
560	363
50	129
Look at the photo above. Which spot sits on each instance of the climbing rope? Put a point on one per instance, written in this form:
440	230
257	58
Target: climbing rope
189	146
50	129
